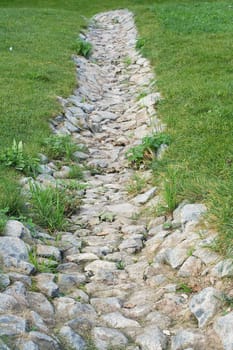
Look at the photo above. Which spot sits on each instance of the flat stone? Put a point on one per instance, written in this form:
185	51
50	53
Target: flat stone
206	256
47	251
12	247
175	256
132	245
78	155
191	267
46	284
67	308
123	209
44	341
11	325
189	212
82	258
100	265
223	327
106	305
7	303
4	281
205	305
14	276
117	320
186	338
104	338
161	320
145	197
72	339
152	338
15	228
38	322
40	304
223	269
133	229
28	345
68	281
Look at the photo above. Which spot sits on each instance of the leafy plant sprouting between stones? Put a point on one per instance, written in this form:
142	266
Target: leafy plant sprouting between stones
15	157
48	265
145	152
82	47
59	147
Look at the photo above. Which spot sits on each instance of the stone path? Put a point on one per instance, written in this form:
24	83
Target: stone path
123	281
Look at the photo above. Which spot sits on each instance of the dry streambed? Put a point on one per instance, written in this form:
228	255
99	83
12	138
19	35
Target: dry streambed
121	281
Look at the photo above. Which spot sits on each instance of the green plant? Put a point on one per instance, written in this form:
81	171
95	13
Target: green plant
120	265
15	157
11	198
136	184
183	288
59	147
140	43
3	219
48	207
76	172
127	61
107	216
82	47
170	190
43	266
145	152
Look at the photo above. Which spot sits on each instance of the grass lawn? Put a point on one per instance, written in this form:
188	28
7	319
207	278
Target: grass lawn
190	45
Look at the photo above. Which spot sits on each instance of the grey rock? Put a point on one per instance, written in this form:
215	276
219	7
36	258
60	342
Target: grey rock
161	320
28	345
205	305
189	212
78	155
4	281
63	173
45	169
44	341
152	338
38	322
40	304
14	276
186	338
123	209
7	303
104	338
45	283
132	244
72	339
82	325
223	269
15	228
117	320
145	197
98	266
47	251
191	267
11	325
106	305
67	308
12	247
206	256
133	229
175	256
223	327
67	281
82	258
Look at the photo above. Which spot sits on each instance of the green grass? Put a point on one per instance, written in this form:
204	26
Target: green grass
190	45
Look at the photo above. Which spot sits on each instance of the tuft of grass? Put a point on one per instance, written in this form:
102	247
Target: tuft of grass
48	207
136	184
60	147
48	265
82	47
170	190
76	172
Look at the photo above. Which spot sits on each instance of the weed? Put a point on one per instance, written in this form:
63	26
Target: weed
3	219
167	225
11	198
59	147
145	152
76	172
120	265
82	47
127	61
136	185
190	251
15	157
141	95
47	265
227	300
140	43
170	190
107	216
183	288
48	207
